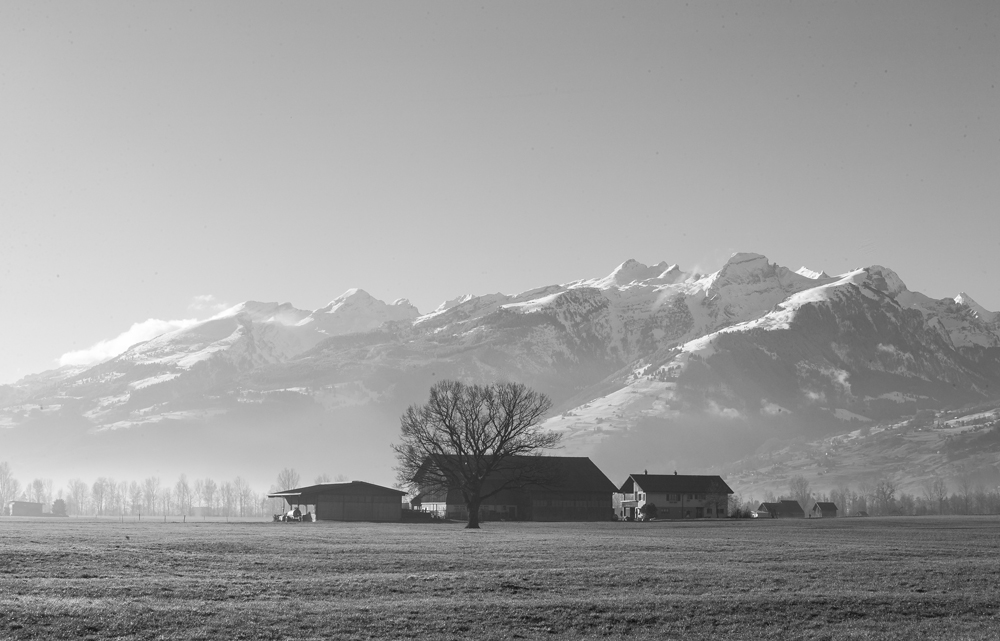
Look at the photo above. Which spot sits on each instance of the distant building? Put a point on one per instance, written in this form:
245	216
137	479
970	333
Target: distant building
353	501
824	510
781	510
24	508
576	490
676	496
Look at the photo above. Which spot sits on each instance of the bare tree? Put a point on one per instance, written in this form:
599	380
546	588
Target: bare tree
209	490
99	494
198	492
966	479
243	494
150	490
940	492
9	486
885	493
287	479
228	498
182	495
799	487
479	440
78	494
166	501
135	498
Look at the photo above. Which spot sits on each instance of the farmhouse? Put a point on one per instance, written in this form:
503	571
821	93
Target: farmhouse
784	509
353	501
574	489
824	510
24	508
675	496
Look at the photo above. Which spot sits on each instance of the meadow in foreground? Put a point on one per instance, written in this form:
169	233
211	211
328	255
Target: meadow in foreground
892	578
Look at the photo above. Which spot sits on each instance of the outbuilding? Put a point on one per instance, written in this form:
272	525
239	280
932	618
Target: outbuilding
824	510
783	509
351	501
24	508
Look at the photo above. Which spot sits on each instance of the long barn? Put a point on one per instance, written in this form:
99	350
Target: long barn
577	491
352	501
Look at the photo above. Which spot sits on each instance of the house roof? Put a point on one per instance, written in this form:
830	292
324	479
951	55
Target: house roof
784	506
826	506
352	487
676	484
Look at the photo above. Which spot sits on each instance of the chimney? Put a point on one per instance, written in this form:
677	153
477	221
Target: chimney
675	472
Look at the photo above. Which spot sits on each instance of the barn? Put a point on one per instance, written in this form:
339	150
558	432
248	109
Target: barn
575	490
824	510
24	508
783	509
351	501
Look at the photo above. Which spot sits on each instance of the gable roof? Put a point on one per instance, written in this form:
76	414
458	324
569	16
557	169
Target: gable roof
351	487
568	473
676	484
784	506
825	506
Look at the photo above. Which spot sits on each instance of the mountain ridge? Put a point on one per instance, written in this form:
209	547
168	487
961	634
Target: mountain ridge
753	346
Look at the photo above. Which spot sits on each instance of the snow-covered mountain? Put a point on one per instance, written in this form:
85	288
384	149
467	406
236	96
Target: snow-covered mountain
647	366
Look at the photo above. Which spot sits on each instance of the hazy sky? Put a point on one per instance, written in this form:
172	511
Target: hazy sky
160	159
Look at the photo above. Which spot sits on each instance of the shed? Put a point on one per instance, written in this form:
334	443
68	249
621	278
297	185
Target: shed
824	510
351	501
24	508
784	509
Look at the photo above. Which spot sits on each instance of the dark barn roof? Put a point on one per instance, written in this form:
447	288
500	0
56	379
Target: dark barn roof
676	484
308	493
567	473
825	506
786	507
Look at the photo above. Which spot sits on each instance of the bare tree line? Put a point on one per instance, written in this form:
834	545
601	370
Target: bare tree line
151	496
967	492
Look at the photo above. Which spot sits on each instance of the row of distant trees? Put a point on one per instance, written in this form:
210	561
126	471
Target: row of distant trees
106	496
972	495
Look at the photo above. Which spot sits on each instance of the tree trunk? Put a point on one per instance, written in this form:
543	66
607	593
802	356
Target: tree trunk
473	507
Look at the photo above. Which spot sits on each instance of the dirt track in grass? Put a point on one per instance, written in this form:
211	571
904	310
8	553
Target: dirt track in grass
892	578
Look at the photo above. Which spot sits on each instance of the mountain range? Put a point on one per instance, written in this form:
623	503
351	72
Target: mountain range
649	367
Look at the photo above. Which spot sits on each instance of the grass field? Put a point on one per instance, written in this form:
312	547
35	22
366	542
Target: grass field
892	578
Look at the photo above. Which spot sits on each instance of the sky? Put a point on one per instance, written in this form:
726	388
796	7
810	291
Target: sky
160	161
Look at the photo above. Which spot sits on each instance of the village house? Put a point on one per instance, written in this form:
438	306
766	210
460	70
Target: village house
575	490
823	510
783	509
352	501
676	496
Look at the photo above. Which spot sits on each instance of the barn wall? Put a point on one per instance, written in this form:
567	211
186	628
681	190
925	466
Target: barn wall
572	506
21	508
359	507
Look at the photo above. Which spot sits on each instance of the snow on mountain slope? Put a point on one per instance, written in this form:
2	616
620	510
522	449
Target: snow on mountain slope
745	353
978	310
833	352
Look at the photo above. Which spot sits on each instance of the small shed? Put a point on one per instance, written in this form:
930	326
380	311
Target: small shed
24	508
824	510
782	510
351	501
